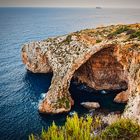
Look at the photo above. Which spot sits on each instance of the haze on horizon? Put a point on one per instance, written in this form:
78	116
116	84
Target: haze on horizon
71	3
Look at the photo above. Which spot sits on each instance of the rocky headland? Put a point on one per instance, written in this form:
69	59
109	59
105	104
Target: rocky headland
103	58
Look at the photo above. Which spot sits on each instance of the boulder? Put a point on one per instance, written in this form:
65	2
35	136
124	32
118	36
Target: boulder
122	97
90	105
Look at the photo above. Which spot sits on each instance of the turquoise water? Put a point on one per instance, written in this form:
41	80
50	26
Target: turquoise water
20	91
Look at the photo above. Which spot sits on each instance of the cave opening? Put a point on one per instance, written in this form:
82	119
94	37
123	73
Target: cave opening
100	80
82	93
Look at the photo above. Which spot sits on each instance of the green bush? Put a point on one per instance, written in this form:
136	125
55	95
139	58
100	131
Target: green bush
98	41
121	30
135	35
75	128
67	40
83	128
124	129
118	31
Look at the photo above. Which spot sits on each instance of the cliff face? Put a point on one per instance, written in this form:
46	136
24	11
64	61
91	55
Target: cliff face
103	58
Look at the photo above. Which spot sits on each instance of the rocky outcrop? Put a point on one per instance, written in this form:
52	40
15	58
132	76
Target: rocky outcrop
90	105
121	97
103	58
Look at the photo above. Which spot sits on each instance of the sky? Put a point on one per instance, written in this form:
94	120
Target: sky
71	3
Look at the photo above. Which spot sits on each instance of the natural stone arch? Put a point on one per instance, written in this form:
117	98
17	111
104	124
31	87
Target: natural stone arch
59	89
63	55
58	98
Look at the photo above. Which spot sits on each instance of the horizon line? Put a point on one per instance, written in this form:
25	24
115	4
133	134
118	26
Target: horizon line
68	7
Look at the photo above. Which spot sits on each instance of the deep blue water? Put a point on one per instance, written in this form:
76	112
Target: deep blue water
20	91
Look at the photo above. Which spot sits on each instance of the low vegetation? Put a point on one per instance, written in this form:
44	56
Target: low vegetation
124	129
67	40
90	128
135	35
125	29
119	31
63	102
98	41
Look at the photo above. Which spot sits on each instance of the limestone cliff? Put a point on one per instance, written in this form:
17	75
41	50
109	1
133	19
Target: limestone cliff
103	58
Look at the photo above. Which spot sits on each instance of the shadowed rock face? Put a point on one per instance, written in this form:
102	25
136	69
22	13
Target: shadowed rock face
103	58
103	71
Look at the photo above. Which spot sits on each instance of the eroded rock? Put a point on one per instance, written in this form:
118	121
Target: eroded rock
103	58
103	71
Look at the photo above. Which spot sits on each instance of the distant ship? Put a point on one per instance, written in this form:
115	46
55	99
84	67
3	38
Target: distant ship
98	8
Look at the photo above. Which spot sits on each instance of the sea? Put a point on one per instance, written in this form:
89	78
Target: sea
21	90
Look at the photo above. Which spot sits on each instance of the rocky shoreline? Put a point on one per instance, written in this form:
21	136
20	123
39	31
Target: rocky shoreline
103	58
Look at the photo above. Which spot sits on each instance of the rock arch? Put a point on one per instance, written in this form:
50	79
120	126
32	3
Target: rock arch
69	55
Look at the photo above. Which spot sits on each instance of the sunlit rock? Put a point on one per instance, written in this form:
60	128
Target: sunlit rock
105	58
121	97
90	105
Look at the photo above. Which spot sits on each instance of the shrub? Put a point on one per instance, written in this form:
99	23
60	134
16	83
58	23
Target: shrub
135	35
118	31
83	128
31	137
75	128
98	41
67	40
121	30
123	129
